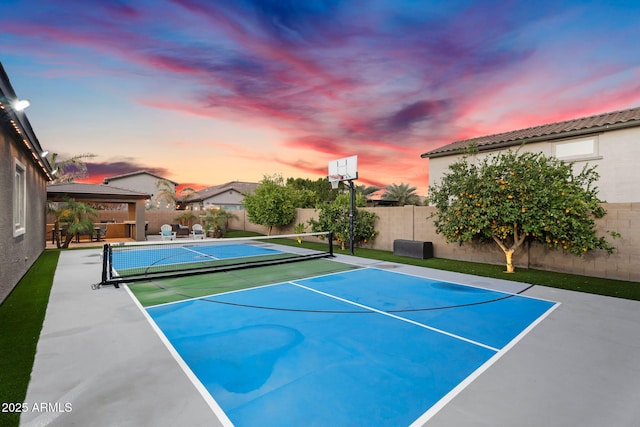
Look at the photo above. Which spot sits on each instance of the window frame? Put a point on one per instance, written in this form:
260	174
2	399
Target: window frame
594	154
19	200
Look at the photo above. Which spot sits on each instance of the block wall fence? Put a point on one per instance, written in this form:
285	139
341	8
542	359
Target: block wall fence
413	223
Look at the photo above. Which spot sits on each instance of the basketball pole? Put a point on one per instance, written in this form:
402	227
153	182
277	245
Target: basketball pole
352	214
346	169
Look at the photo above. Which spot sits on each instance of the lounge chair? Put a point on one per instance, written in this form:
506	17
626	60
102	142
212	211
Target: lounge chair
167	233
197	232
180	230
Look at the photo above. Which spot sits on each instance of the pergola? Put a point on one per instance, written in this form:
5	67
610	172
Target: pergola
98	193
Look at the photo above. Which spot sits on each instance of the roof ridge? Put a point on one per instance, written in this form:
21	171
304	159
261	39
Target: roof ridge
548	129
105	180
558	122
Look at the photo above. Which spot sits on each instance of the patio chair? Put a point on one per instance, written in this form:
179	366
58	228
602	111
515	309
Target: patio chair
167	233
180	230
101	232
197	232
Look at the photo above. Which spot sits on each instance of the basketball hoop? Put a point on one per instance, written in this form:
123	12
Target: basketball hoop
335	180
346	170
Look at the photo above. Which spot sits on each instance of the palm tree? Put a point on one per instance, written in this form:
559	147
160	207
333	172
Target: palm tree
365	190
186	218
70	169
217	220
167	191
78	219
403	193
183	197
52	208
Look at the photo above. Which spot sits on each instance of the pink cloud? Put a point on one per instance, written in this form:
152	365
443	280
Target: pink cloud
386	81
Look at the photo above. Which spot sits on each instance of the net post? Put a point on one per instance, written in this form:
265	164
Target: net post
105	255
110	264
105	261
330	243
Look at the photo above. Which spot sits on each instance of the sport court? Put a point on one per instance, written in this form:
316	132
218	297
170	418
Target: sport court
98	351
320	342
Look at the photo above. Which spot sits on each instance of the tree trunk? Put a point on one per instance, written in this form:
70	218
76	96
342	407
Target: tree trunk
56	233
509	255
508	252
67	240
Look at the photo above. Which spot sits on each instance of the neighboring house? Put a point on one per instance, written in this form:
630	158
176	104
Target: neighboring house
610	141
147	183
24	173
228	196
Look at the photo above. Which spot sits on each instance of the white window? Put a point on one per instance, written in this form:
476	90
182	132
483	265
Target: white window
580	149
19	198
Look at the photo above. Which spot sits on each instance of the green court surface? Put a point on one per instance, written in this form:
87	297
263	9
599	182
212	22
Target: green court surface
154	292
200	265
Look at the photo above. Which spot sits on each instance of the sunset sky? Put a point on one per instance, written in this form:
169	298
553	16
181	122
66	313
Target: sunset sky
203	92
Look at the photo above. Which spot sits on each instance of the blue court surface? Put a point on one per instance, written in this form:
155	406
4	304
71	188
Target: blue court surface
171	255
359	348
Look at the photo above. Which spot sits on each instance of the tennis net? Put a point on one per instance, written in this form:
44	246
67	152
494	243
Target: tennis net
140	261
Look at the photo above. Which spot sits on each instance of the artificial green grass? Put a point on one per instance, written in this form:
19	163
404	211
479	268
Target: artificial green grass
573	282
240	233
21	316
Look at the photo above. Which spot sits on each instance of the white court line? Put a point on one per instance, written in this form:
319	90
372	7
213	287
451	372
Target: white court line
211	402
444	400
242	290
199	253
434	280
418	422
458	337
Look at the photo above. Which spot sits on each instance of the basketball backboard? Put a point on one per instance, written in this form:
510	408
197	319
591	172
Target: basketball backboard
345	169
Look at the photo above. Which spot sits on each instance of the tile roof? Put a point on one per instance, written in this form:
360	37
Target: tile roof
575	127
141	172
239	186
86	191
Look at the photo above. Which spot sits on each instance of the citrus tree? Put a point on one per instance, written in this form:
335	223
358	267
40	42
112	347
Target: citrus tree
310	194
335	217
511	197
271	203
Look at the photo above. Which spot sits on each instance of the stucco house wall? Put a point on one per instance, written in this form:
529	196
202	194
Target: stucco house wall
229	200
146	183
609	141
616	156
228	196
20	245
